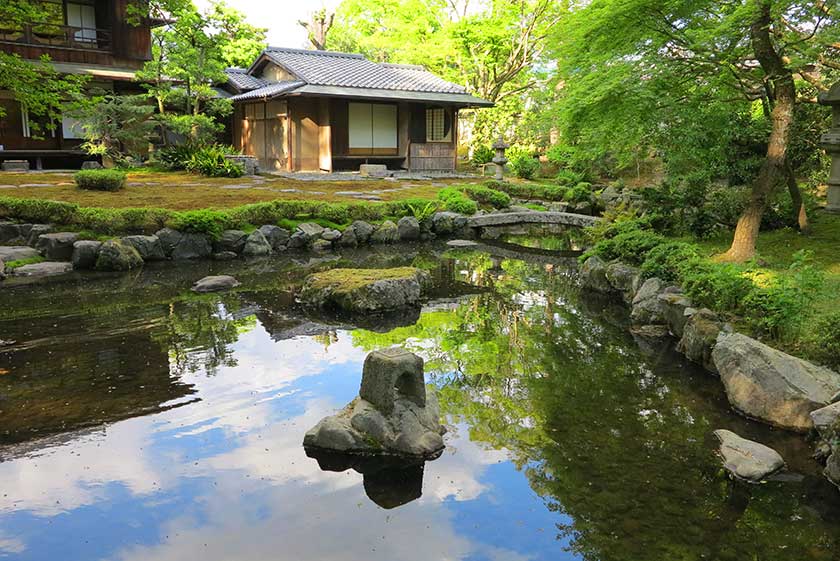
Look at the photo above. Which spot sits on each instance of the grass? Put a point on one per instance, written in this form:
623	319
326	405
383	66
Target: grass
21	262
185	191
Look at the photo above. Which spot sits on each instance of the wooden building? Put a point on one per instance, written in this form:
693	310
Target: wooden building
299	110
88	37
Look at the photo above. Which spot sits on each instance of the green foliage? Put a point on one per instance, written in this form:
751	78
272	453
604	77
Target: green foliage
567	177
580	193
631	246
823	341
21	262
175	157
487	196
522	162
100	179
454	200
205	221
423	212
667	260
116	126
482	154
211	161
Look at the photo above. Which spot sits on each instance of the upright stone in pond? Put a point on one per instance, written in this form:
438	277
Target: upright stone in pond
276	236
593	275
772	386
169	238
115	255
389	372
674	306
747	460
348	238
647	308
623	279
362	230
58	246
149	247
256	245
408	228
700	335
230	240
35	231
395	414
85	254
192	246
444	223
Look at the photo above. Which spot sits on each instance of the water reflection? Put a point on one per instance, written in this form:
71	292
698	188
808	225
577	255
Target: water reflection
142	422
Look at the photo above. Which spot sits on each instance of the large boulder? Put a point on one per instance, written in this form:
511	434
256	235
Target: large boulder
10	232
169	238
34	231
395	414
624	279
826	420
362	230
408	228
85	254
387	232
230	240
10	253
276	236
772	386
699	338
674	308
593	275
256	245
365	290
747	460
215	283
116	255
444	223
192	246
57	246
648	309
149	247
348	238
44	269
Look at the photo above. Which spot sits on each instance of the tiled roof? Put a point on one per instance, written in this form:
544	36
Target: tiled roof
269	91
327	68
243	81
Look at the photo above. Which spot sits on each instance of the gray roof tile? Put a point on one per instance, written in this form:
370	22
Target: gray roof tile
327	68
269	91
243	81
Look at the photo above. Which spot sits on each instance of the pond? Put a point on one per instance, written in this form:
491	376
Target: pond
141	422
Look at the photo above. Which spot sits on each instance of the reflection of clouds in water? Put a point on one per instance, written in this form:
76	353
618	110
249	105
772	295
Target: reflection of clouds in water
9	545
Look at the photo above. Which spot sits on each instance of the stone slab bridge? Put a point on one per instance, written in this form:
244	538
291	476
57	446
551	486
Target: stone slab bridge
502	219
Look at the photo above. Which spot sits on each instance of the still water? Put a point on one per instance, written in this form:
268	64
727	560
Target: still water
141	422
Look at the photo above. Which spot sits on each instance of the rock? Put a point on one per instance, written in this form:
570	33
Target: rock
745	459
2	270
462	243
624	279
34	231
311	229
224	256
115	255
91	164
408	228
44	269
10	232
216	283
256	245
583	208
85	254
321	245
348	238
230	240
772	386
365	290
169	238
699	338
58	246
825	420
191	246
386	233
395	414
330	235
674	308
593	275
277	237
10	253
298	240
448	222
363	231
647	308
832	469
149	247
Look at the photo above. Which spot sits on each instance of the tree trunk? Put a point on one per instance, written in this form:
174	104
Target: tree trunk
800	215
773	170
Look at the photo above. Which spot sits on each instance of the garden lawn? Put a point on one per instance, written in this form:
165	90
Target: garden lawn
184	191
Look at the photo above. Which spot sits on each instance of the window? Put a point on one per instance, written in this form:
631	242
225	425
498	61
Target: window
438	125
372	129
83	17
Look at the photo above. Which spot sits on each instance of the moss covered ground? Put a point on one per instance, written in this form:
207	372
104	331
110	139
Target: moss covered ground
343	281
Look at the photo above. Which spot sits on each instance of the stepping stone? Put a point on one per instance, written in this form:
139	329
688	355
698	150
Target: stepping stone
44	269
17	253
461	243
215	284
745	459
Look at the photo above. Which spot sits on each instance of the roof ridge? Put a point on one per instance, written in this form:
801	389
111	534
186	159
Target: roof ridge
406	66
315	53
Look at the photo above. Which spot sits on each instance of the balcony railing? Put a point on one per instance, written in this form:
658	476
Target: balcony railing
53	36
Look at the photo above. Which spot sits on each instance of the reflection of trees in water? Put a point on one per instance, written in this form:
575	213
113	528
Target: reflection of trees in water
198	332
616	447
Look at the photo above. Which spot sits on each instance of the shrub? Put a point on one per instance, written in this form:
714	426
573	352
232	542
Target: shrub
211	161
485	195
630	246
567	177
580	193
454	200
524	165
100	179
482	154
719	286
205	221
823	340
175	157
37	210
667	261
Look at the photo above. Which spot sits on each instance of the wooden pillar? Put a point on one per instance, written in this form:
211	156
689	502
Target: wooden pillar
324	135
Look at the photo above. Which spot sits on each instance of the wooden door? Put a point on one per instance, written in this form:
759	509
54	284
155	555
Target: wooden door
305	135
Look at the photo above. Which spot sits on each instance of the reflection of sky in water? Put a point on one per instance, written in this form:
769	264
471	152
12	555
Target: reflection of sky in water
227	478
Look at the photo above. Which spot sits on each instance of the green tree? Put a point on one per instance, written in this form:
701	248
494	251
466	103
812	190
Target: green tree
117	127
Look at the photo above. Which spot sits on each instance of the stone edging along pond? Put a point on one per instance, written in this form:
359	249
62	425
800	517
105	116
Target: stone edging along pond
761	382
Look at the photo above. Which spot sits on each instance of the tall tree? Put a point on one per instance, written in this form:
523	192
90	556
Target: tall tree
317	28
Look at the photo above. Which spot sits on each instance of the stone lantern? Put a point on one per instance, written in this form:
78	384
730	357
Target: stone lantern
500	146
831	142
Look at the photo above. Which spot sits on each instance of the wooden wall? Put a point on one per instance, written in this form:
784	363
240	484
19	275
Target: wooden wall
432	156
260	130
